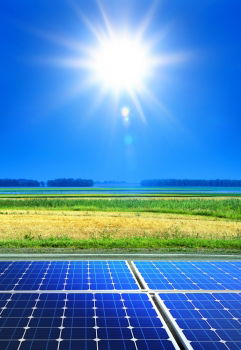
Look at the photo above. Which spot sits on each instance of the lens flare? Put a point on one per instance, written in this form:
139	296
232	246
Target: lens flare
125	111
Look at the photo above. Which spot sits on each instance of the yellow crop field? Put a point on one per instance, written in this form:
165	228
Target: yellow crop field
83	224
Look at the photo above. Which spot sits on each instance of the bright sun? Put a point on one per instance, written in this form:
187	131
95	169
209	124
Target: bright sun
121	63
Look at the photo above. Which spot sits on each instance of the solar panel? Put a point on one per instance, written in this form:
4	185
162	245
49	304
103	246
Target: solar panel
40	308
206	320
190	275
71	321
66	275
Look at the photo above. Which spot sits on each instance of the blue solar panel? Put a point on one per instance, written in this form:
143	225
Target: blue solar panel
191	275
207	320
120	320
66	275
65	321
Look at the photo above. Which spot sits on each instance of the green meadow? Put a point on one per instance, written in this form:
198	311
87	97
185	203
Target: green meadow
219	208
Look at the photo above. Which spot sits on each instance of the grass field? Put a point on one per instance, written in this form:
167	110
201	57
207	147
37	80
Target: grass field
222	208
121	223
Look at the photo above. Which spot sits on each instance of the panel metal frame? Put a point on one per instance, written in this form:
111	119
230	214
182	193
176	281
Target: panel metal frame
139	275
185	342
164	323
133	275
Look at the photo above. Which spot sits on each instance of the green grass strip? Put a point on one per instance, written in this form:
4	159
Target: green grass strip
123	243
223	208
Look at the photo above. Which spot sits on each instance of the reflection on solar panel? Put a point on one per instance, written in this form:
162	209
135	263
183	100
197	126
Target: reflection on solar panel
66	275
208	321
65	321
191	275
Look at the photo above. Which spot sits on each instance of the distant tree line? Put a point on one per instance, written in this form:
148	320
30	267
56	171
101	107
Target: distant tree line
50	183
70	183
186	182
19	183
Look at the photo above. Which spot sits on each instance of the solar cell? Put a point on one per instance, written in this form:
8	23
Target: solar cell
66	275
161	275
206	320
69	321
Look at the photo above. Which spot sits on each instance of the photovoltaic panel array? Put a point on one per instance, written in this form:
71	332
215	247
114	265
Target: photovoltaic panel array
70	321
61	305
66	275
209	321
161	275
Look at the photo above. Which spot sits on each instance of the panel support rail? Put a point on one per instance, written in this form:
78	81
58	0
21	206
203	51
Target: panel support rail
180	338
140	280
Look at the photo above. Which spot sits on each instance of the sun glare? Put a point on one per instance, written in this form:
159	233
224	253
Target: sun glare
121	63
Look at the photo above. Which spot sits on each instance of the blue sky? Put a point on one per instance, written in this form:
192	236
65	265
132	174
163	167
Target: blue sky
47	131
